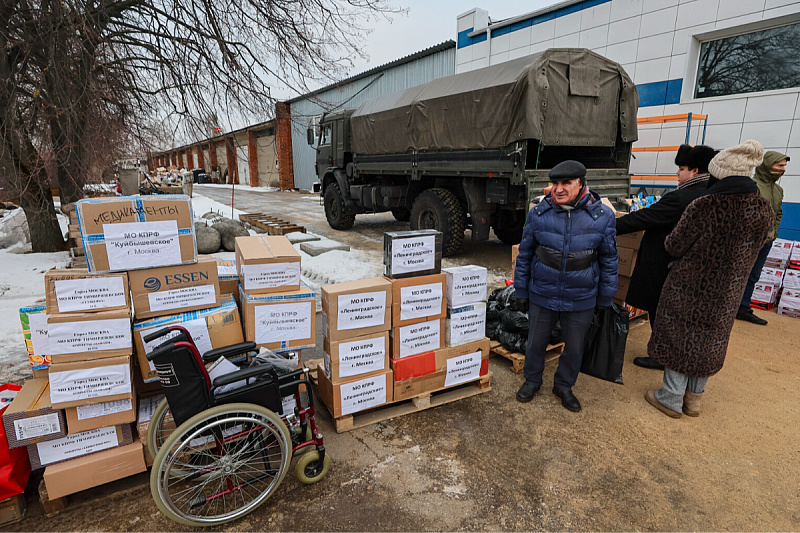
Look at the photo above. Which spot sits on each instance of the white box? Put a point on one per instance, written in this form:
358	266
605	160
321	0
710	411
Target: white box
466	285
771	275
764	293
465	324
791	279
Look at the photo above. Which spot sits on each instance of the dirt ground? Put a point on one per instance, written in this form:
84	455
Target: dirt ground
491	463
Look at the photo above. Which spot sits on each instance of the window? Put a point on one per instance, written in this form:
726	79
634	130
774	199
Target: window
763	60
326	135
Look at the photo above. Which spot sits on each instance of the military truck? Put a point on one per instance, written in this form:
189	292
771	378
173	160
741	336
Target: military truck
470	151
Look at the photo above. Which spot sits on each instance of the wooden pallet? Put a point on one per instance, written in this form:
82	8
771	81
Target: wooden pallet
270	224
518	359
413	405
12	510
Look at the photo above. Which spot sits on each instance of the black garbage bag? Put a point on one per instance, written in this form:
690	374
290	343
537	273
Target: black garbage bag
506	297
514	321
604	347
492	328
555	335
521	346
496	294
493	311
509	340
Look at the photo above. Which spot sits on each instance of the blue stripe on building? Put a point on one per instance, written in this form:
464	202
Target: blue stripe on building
790	223
660	92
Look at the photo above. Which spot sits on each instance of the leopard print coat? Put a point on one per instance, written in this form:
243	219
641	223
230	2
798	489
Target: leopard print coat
715	244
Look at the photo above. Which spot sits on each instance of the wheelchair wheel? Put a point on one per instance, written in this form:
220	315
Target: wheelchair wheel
156	432
220	464
307	436
310	469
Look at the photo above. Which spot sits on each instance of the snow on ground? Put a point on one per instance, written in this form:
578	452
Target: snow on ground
246	187
21	284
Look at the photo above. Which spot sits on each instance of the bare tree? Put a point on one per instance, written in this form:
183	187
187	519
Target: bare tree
150	65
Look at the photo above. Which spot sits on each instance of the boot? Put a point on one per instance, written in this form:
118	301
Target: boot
691	403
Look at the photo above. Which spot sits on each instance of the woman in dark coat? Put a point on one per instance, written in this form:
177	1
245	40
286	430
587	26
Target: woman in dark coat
715	245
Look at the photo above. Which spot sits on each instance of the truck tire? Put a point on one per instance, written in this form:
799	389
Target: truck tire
402	214
335	212
439	209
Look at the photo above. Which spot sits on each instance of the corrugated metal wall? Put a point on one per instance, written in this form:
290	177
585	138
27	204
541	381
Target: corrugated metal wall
393	79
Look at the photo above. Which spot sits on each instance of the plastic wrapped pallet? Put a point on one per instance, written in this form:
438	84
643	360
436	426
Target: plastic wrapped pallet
412	253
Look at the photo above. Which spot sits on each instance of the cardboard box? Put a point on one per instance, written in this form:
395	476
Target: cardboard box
459	370
465	324
30	418
101	415
94	470
281	321
78	445
627	261
267	264
353	396
412	253
514	254
33	319
417	338
210	328
623	282
765	293
76	290
87	382
168	290
349	359
467	284
228	278
630	240
418	299
356	308
431	362
82	336
134	232
791	279
773	276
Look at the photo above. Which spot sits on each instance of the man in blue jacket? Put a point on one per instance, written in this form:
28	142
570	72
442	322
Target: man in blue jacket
567	266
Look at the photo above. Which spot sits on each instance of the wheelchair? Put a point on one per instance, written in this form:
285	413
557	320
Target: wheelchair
228	450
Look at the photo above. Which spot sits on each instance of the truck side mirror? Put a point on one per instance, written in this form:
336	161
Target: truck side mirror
310	135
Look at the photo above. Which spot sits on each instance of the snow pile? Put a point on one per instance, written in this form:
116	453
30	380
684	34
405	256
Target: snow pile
245	187
21	284
15	236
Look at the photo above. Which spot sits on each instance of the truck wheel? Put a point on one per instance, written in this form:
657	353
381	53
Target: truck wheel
403	214
338	217
439	209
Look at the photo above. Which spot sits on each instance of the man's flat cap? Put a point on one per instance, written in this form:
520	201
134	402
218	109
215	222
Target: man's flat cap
568	170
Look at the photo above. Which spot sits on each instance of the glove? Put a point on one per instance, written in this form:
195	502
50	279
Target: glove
522	305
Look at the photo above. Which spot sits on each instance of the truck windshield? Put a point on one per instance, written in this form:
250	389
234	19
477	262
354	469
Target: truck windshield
325	137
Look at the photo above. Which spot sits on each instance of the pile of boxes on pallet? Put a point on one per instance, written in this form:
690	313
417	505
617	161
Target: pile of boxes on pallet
779	282
75	415
417	329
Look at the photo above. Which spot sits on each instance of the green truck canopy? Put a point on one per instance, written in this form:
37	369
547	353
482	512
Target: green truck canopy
562	96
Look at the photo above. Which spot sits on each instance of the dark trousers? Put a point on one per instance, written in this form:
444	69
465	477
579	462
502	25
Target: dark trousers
574	326
755	273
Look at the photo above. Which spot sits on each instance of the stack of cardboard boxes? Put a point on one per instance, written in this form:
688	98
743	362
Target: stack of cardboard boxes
628	250
779	282
789	304
765	292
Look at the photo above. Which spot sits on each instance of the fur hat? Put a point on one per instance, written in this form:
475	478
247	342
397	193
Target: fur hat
695	157
739	160
568	170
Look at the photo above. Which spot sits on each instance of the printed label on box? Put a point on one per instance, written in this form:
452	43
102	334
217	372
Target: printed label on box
270	275
39	334
181	298
37	426
413	255
362	356
467	326
89	336
283	322
131	245
102	409
147	406
363	310
463	368
90	293
197	328
288	403
419	301
363	394
77	445
468	287
227	271
420	338
75	385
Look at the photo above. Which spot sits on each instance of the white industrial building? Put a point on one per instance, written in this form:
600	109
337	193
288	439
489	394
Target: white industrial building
735	61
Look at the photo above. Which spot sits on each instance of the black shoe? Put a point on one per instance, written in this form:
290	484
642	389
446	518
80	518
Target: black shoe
526	392
751	317
648	362
568	399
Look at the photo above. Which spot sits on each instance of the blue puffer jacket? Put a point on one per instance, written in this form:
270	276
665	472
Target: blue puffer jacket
564	234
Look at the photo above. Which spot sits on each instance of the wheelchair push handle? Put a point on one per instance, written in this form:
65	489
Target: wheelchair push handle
156	334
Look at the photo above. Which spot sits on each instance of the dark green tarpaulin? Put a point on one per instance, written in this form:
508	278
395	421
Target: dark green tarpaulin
563	96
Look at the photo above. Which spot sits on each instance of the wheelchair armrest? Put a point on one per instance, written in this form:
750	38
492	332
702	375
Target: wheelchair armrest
228	351
244	373
161	350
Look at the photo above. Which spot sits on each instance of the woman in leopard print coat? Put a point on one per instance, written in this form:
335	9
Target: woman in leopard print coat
715	245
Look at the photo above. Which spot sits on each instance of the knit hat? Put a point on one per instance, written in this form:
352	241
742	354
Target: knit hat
695	156
568	170
739	160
